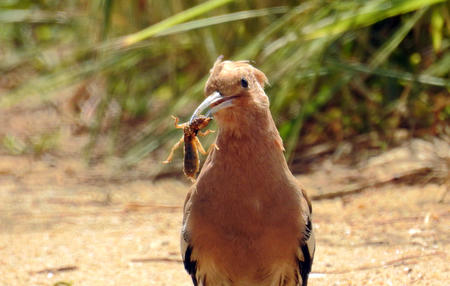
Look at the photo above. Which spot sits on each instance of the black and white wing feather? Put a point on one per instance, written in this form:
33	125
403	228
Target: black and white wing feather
186	248
307	247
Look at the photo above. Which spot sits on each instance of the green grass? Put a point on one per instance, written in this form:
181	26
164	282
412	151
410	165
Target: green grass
337	68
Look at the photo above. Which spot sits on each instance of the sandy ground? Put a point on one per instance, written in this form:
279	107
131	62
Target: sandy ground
62	223
57	228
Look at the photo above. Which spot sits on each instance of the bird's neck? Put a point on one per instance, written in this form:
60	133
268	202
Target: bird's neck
251	144
250	161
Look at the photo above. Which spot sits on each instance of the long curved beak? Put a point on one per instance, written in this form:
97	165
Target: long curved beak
216	102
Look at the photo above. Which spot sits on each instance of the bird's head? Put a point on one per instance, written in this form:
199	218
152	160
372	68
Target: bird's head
234	93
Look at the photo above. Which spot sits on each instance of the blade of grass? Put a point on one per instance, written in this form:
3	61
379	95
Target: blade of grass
107	10
390	45
207	22
439	68
171	21
255	45
369	14
33	16
400	75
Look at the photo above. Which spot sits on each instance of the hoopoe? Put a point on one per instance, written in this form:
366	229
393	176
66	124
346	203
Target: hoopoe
246	220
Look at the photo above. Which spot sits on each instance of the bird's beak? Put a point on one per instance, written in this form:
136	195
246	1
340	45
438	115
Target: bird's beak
216	102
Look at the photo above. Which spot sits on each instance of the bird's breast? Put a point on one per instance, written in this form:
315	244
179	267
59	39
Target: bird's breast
244	234
244	212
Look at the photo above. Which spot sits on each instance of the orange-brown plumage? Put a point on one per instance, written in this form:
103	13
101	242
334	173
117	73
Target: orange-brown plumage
245	218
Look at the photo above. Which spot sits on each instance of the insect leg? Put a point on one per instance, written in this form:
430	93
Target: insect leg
199	146
201	149
175	147
213	146
179	126
200	133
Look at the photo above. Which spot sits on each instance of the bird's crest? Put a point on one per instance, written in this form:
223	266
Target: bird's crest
224	70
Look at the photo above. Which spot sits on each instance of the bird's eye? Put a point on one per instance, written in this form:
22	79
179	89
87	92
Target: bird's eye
244	83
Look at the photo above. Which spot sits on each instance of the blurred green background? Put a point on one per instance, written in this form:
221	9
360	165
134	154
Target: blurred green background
337	69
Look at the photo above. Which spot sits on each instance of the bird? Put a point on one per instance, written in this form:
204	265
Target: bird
246	219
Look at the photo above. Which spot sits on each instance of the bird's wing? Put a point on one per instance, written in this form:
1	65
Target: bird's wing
305	254
186	248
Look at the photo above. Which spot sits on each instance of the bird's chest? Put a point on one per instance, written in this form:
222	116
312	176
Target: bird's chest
243	216
239	195
243	238
248	212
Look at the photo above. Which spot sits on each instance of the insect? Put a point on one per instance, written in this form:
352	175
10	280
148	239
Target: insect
191	144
